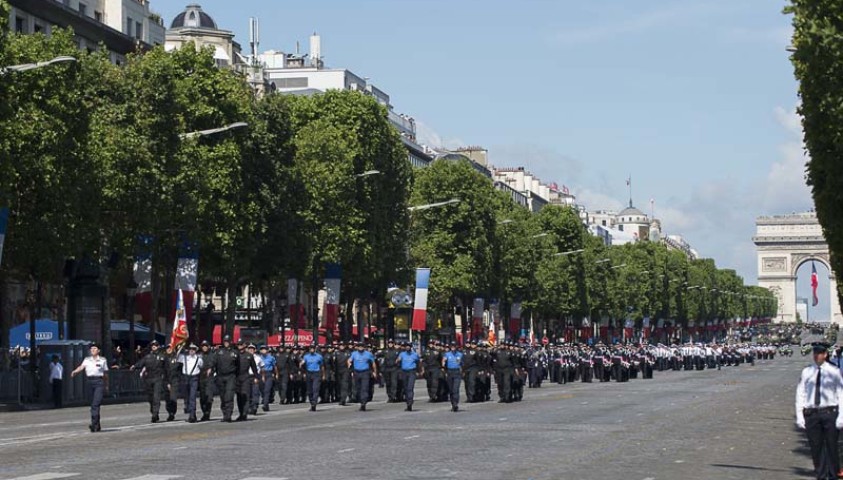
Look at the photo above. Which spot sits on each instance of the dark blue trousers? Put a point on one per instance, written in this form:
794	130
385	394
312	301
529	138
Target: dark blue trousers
454	379
97	388
314	382
409	385
192	384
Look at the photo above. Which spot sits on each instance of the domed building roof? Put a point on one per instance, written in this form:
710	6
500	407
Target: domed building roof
193	17
631	211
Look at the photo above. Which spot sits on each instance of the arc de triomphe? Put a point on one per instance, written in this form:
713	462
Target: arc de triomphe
784	243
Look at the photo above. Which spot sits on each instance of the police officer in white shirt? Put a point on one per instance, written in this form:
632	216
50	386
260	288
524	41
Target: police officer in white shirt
192	366
819	399
96	369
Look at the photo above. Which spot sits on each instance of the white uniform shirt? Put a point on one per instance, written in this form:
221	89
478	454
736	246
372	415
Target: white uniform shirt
191	365
56	371
95	367
831	390
258	363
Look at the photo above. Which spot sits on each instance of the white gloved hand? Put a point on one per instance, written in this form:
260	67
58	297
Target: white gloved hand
801	424
838	424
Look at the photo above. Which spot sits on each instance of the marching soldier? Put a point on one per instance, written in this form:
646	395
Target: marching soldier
343	374
409	361
96	370
246	369
191	372
363	365
390	371
206	388
270	372
174	369
226	362
471	367
452	362
283	360
153	368
433	371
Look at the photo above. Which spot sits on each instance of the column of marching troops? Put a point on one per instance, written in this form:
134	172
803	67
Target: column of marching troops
346	373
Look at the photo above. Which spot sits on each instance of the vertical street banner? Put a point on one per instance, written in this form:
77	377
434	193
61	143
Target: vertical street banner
477	318
515	319
179	335
142	275
187	271
420	306
333	276
292	298
4	223
815	282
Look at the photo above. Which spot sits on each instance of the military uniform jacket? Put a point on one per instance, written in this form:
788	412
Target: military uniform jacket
226	361
469	360
502	360
155	364
245	363
390	359
432	360
341	360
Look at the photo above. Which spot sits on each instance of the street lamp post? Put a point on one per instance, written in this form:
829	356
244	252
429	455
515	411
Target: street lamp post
433	205
33	66
212	131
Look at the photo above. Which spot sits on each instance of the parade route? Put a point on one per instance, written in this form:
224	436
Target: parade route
736	423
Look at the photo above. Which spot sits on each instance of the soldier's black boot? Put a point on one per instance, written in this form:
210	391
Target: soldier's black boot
205	417
192	419
92	428
98	427
312	407
171	417
154	419
409	407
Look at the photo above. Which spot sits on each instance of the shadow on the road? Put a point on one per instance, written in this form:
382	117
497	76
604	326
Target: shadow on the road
749	467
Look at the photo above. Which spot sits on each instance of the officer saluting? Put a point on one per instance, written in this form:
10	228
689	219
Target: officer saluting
96	369
819	399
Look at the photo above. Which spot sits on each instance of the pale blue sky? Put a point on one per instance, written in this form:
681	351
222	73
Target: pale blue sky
694	99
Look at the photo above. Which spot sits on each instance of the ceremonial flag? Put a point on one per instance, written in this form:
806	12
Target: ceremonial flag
333	274
420	307
4	222
179	335
814	283
515	319
477	317
187	270
142	276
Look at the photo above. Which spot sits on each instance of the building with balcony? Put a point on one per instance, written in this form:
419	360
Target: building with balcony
122	26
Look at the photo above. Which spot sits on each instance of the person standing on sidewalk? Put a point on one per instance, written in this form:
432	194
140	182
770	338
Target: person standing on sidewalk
819	399
56	375
96	369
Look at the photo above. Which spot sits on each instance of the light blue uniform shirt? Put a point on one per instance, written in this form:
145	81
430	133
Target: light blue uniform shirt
268	362
409	360
453	360
362	360
313	362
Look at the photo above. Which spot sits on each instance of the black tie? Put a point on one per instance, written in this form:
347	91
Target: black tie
817	388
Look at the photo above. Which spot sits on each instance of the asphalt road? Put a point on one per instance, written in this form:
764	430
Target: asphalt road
736	423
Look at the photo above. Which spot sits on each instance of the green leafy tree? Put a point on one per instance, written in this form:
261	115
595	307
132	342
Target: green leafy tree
818	64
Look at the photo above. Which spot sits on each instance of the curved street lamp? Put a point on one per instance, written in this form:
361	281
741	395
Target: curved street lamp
212	131
32	66
433	205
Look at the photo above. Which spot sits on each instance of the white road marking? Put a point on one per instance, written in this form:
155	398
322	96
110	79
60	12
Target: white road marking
155	477
266	478
411	437
47	476
345	450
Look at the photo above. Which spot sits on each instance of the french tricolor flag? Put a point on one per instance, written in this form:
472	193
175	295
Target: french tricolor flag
333	276
420	306
4	223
